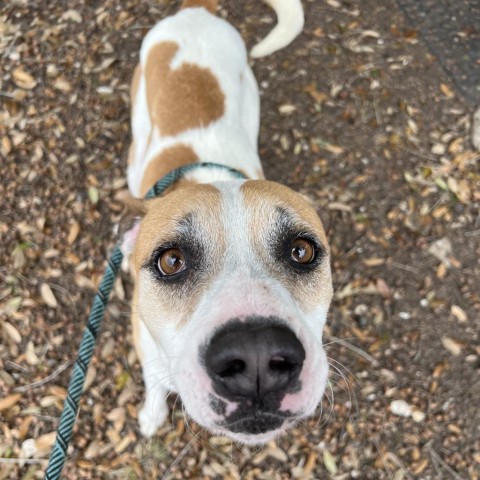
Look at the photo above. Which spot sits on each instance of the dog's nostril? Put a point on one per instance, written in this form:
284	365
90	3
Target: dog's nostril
281	364
233	368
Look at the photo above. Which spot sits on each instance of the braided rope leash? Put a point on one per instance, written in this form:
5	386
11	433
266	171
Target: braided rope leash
77	380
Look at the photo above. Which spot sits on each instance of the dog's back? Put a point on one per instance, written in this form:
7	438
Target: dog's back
194	96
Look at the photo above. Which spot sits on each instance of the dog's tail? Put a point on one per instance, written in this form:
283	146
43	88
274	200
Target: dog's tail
289	25
210	5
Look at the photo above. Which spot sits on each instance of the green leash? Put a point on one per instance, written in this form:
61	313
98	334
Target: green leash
77	380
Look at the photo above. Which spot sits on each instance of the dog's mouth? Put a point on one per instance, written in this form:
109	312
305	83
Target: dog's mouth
256	429
255	424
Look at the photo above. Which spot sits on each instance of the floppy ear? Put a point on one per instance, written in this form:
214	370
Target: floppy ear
129	225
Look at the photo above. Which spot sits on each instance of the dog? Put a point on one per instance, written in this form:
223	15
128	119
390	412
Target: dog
232	277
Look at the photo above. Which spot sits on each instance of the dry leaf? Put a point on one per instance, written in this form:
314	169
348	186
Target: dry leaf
458	313
23	79
383	288
93	195
44	443
30	355
454	347
446	90
373	261
62	85
286	109
73	233
47	295
329	462
9	401
319	97
72	15
12	332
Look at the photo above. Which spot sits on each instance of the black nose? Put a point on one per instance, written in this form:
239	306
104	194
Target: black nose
248	360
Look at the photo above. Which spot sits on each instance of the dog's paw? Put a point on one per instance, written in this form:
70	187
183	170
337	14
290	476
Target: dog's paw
151	417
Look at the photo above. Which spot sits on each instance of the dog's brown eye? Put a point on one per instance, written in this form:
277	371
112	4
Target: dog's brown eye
303	251
171	262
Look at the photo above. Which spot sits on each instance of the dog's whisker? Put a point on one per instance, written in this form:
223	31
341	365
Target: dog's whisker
337	341
345	386
340	366
195	435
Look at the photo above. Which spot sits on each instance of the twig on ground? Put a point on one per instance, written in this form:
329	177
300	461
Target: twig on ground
39	383
438	460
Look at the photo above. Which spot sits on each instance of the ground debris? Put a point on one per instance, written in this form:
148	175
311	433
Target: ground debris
357	115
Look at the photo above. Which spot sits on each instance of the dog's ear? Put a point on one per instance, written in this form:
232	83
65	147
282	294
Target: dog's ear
129	225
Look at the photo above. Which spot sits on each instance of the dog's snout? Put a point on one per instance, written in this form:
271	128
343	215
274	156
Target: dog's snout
252	360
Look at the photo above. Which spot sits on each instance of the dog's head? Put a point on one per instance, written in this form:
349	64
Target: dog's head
233	283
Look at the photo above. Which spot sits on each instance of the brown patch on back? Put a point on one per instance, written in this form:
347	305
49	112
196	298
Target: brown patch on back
181	99
210	5
261	200
166	161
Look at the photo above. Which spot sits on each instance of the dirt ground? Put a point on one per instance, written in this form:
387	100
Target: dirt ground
357	114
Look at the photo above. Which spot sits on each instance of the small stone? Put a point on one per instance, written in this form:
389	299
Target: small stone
401	408
438	149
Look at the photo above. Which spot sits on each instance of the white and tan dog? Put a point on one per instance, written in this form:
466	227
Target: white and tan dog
232	277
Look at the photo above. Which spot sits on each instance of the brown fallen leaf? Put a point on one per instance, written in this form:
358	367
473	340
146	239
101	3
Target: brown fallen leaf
319	97
9	401
458	313
373	261
454	347
73	232
12	332
446	90
23	79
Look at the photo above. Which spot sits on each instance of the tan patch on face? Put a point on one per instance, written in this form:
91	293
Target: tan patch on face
263	194
166	161
162	299
201	200
181	99
262	200
210	5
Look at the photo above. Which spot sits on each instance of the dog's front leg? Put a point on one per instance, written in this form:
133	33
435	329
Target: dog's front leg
155	374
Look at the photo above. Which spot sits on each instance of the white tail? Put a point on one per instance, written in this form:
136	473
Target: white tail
289	25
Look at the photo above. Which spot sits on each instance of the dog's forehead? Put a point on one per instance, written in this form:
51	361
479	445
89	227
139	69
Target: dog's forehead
223	212
198	203
264	200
